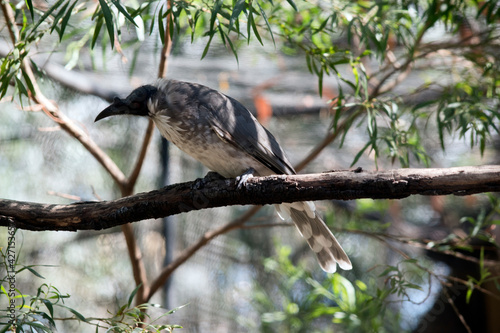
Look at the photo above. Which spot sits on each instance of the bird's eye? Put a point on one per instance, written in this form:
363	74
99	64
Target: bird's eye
135	105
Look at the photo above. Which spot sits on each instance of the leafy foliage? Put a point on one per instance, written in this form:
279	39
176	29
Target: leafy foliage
40	312
306	305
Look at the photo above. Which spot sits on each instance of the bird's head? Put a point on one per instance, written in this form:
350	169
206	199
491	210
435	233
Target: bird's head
135	104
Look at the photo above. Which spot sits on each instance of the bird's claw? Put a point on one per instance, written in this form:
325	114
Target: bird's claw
242	179
210	176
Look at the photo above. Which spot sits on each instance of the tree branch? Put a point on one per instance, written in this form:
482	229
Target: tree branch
207	193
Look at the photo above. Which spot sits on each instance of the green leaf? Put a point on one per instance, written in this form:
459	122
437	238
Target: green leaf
21	87
264	16
46	14
413	286
215	11
58	16
175	309
469	294
65	19
205	50
108	18
29	4
152	25
388	270
132	295
322	25
49	306
238	8
5	328
76	313
292	4
32	271
360	153
124	11
37	325
5	84
232	48
161	27
97	30
497	284
251	21
320	83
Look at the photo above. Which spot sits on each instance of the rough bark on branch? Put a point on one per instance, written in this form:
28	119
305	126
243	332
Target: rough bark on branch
210	192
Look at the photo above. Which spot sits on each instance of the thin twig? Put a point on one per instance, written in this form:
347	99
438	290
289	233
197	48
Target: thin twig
423	244
167	46
132	179
467	284
455	309
190	251
137	263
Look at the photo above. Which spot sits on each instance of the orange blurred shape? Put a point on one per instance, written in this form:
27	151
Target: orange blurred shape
329	93
263	108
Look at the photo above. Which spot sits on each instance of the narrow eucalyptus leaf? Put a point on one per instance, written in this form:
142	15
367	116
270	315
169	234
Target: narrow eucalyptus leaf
97	30
123	11
237	9
47	14
205	50
215	11
292	3
29	4
108	18
133	293
251	20
66	18
29	83
58	16
161	27
264	16
232	49
21	87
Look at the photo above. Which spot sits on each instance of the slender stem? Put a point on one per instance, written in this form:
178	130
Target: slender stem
134	251
132	179
165	52
9	18
190	251
136	260
144	293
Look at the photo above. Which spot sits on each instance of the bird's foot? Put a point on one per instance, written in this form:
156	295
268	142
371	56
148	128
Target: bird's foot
242	180
210	176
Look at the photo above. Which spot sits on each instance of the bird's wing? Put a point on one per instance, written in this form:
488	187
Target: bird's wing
234	124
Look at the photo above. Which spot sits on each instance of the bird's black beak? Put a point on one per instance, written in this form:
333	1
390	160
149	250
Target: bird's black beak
118	107
135	104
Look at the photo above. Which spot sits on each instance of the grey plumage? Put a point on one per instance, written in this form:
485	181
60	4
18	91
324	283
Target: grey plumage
221	133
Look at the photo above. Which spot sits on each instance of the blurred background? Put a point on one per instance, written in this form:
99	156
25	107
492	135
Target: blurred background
423	264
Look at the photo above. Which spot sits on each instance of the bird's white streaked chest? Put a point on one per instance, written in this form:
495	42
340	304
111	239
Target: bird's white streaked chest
203	144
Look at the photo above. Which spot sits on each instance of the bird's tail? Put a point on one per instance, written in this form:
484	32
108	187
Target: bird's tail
318	236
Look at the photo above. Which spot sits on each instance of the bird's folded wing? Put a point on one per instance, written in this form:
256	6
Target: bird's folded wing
234	124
